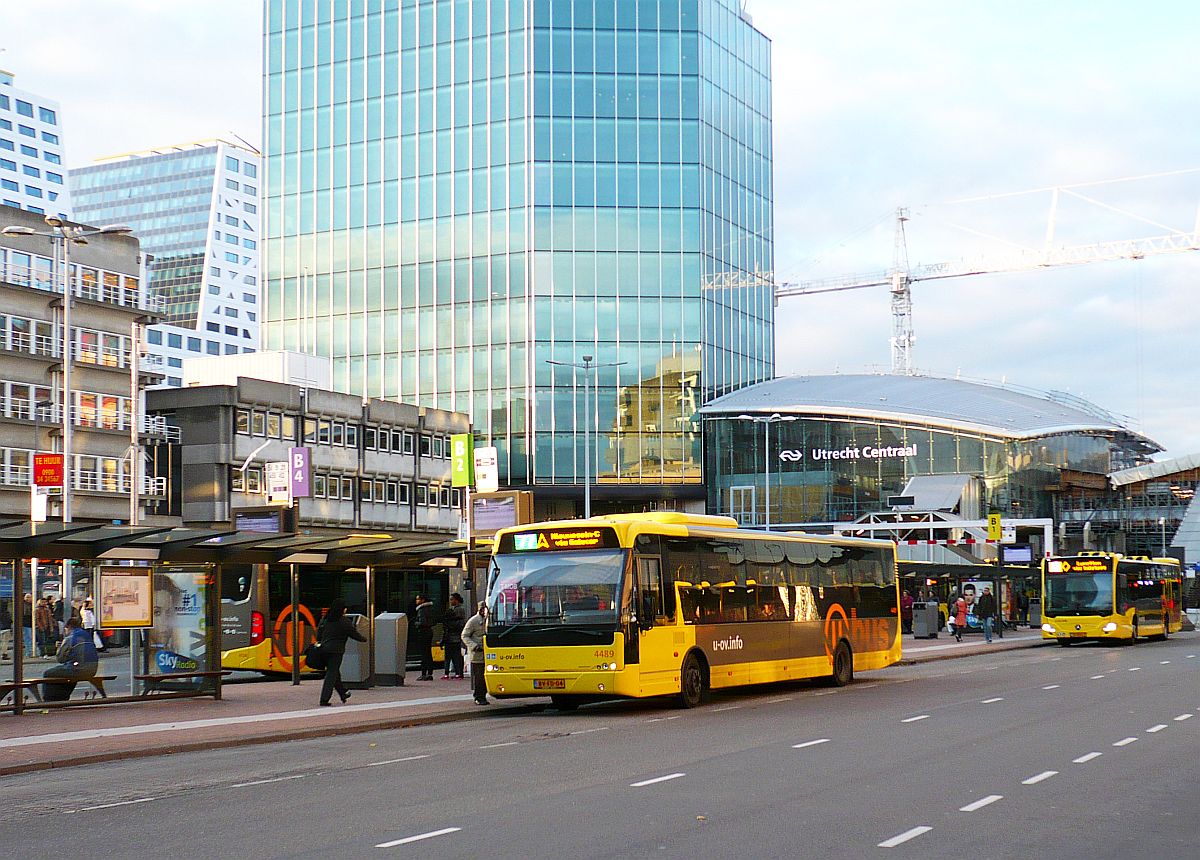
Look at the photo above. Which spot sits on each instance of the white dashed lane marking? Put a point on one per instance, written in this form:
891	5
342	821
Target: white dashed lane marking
496	746
1124	742
1155	729
727	708
981	803
916	718
266	781
1163	662
1096	677
1050	687
1084	759
1044	775
816	742
1183	717
418	837
396	760
118	803
900	839
1135	668
646	782
991	701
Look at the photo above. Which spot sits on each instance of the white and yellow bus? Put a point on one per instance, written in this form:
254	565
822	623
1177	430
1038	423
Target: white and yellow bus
1101	595
655	604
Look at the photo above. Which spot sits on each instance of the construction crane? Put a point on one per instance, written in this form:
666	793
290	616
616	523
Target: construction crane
900	277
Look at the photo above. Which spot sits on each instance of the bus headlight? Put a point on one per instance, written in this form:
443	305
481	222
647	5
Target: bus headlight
492	667
612	667
1110	627
1047	628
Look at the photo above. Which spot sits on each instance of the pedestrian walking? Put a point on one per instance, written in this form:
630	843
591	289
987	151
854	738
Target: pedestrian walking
452	627
472	637
27	624
960	617
334	630
46	627
985	609
424	636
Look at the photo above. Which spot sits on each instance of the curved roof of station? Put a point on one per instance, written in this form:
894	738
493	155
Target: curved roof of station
931	400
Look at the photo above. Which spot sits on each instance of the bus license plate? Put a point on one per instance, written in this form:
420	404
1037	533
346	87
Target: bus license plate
1078	633
549	684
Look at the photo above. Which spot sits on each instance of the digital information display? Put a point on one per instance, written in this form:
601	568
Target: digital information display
1079	565
557	540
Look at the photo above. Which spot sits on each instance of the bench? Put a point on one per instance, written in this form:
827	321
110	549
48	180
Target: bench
10	686
153	683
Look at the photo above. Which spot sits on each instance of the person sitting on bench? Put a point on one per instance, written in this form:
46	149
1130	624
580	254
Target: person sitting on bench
78	661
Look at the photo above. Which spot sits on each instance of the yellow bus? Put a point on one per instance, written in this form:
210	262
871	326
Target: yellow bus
1101	595
662	603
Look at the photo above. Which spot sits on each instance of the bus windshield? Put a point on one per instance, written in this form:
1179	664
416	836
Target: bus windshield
556	588
1079	594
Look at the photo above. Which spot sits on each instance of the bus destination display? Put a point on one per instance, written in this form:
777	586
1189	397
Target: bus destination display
556	540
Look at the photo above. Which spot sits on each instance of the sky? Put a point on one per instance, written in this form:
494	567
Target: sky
877	105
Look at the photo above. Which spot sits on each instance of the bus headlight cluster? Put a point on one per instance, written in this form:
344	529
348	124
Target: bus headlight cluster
1047	628
607	667
492	667
1110	627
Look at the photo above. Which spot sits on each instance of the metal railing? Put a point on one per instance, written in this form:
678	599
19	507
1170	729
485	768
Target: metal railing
85	287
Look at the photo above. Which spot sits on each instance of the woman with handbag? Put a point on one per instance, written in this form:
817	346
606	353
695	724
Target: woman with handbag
334	630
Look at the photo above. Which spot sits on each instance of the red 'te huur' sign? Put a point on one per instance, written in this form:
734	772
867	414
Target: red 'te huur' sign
48	470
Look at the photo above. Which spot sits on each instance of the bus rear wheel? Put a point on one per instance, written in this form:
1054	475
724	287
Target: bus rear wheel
843	666
564	703
691	683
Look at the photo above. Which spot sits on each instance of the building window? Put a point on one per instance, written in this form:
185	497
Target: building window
47	116
231	220
348	489
287	427
213	327
365	490
438	448
231	257
407	443
33	191
175	341
249	298
193	344
444	497
323	431
338	433
250	243
231	184
231	330
54	177
231	312
50	137
30	170
426	445
383	442
456	498
249	189
175	362
251	208
212	348
231	349
154	336
369	438
231	163
258	423
24	108
8	164
27	130
29	150
7	144
254	481
9	185
214	271
422	494
310	430
250	170
404	496
392	492
237	481
273	424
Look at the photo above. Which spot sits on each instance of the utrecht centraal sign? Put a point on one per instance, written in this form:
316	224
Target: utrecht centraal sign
891	452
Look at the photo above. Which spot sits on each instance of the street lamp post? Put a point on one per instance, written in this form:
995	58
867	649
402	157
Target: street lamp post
587	367
766	421
62	234
1162	524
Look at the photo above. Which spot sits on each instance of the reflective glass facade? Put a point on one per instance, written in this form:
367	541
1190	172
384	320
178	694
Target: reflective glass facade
460	191
833	468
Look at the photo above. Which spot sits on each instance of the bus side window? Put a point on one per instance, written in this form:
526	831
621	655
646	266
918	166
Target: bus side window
650	589
689	603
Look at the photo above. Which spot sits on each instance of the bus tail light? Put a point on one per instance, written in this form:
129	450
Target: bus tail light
256	627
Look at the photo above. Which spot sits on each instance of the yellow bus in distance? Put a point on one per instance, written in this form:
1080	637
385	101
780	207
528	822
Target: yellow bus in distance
663	603
1102	595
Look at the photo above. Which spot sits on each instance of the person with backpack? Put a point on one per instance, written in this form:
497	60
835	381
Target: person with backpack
424	636
452	627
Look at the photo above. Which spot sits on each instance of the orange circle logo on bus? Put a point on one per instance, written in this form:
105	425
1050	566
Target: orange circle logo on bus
836	627
281	641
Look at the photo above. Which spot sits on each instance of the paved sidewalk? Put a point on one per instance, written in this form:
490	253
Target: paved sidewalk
260	711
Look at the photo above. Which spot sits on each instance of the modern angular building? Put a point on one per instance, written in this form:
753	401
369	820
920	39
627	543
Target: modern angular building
459	193
195	209
31	152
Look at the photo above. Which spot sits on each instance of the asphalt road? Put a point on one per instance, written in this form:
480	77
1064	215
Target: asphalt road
1070	753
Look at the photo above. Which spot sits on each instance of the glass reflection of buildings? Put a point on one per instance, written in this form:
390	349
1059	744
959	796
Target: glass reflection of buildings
458	192
1017	443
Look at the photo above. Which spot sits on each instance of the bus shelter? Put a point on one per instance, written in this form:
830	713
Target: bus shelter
158	590
943	582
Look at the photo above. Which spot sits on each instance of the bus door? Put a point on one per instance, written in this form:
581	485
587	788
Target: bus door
1172	616
658	638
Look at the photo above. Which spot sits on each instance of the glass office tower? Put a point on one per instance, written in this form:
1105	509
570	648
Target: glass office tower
461	191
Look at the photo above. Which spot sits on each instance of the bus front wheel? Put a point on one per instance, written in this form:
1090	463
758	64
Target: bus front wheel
843	666
691	683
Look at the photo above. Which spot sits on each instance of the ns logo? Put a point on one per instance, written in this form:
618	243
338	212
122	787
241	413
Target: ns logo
791	456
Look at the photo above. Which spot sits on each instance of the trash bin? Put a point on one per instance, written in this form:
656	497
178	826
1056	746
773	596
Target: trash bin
357	660
925	620
391	646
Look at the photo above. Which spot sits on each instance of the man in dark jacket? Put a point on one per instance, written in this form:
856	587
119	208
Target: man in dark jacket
77	661
985	608
424	636
452	627
335	629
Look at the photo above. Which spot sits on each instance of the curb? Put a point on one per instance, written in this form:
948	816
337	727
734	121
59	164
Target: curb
954	655
253	740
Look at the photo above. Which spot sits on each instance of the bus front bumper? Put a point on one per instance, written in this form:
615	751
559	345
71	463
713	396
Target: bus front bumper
1084	628
512	684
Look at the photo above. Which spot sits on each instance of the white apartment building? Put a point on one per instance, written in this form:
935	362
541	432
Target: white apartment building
31	152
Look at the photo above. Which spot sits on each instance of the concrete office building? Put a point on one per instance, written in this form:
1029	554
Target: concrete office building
458	193
195	209
31	152
110	305
376	466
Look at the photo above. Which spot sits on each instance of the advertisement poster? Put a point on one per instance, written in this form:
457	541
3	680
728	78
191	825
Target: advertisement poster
124	597
179	639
